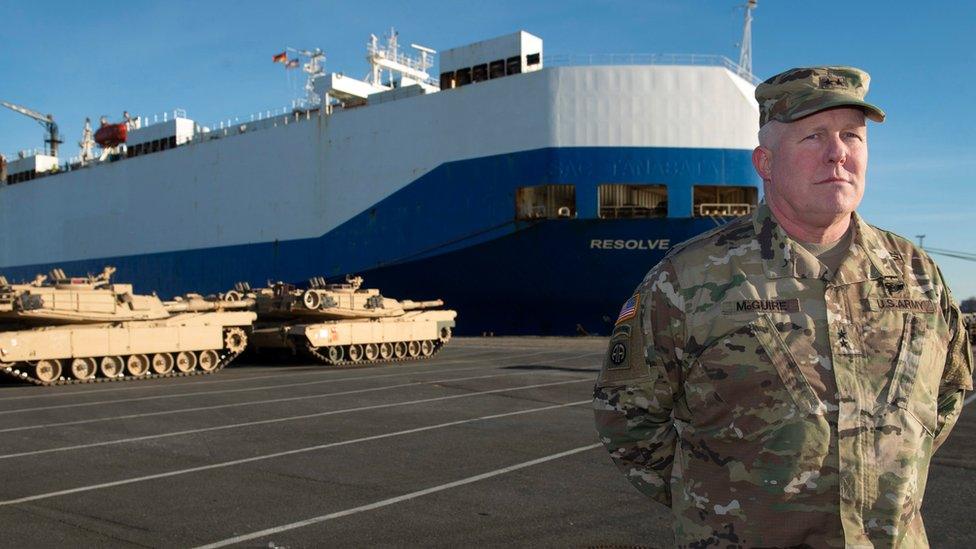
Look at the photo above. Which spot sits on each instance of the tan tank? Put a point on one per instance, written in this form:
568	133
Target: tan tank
345	324
60	330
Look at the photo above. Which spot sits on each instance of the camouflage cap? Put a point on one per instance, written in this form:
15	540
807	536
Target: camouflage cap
799	92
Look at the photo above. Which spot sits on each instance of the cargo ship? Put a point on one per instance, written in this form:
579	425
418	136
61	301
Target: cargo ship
530	192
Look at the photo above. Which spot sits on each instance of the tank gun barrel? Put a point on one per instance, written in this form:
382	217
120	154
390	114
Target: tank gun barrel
413	305
200	305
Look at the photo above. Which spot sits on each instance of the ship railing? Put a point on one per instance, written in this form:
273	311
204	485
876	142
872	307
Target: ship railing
257	121
724	210
574	60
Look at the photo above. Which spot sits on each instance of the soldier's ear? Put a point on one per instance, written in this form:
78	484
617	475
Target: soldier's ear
762	160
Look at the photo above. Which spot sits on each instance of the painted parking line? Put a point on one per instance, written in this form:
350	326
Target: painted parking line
397	499
263	457
204	408
256	402
228	391
209	380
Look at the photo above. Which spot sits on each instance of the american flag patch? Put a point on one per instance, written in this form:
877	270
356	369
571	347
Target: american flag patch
629	309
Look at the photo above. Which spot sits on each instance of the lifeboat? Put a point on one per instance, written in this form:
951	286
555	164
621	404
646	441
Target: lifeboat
111	135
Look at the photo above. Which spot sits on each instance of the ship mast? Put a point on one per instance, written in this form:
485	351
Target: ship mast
314	68
745	51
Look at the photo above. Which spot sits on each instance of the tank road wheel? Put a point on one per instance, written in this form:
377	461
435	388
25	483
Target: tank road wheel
311	299
426	348
137	365
162	363
83	368
110	366
235	340
47	370
208	360
400	349
386	351
335	354
445	334
372	351
413	349
186	361
355	353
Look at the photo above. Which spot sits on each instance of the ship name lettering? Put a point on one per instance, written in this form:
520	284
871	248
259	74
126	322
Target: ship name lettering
631	244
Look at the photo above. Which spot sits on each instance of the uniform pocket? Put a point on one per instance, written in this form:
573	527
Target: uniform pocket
916	354
746	385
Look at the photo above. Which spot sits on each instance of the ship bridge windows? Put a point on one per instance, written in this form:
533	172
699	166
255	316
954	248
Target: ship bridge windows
486	71
545	202
151	146
724	200
496	69
479	73
629	200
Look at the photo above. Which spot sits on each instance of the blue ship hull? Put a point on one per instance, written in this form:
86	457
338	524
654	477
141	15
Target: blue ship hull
452	234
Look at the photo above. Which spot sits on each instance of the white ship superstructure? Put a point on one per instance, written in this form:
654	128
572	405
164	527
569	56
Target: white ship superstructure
503	177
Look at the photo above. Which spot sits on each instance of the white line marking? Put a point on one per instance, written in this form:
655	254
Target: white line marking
397	499
79	489
163	435
246	403
313	369
267	401
223	391
971	398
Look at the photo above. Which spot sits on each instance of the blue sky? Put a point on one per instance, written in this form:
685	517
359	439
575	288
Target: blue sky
78	59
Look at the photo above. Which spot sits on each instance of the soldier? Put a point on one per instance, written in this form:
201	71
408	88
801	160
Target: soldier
785	379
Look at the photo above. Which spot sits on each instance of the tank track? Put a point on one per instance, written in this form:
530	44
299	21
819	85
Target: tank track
313	352
21	371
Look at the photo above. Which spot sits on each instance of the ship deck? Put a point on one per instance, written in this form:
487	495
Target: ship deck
489	443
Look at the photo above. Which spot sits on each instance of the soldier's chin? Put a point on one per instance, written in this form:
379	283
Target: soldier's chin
837	201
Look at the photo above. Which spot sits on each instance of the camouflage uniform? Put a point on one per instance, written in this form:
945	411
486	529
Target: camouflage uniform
770	404
705	402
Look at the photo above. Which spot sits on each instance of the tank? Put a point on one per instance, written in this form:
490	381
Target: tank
345	324
60	330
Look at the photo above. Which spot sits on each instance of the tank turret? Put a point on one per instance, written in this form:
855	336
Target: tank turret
323	300
60	329
344	323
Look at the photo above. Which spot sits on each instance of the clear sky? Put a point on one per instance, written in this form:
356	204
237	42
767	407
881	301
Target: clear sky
78	59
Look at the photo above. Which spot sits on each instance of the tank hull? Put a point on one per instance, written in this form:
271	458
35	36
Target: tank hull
56	355
414	335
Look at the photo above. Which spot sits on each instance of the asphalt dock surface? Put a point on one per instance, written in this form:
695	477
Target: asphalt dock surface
489	443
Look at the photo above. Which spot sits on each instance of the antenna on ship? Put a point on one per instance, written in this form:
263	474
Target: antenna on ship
745	51
314	67
388	58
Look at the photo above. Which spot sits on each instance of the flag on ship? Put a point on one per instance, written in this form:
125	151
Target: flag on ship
280	58
291	64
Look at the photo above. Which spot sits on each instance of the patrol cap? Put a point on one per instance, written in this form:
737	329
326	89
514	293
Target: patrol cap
802	91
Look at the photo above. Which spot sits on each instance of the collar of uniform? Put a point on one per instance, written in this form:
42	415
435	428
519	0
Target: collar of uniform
868	245
783	257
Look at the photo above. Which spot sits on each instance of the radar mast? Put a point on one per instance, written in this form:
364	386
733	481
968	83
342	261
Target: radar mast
745	51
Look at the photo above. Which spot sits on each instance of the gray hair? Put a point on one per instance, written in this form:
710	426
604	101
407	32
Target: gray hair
769	134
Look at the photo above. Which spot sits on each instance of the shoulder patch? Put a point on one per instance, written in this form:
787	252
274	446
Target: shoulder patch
629	310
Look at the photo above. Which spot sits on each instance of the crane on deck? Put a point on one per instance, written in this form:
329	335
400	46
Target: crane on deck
53	137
